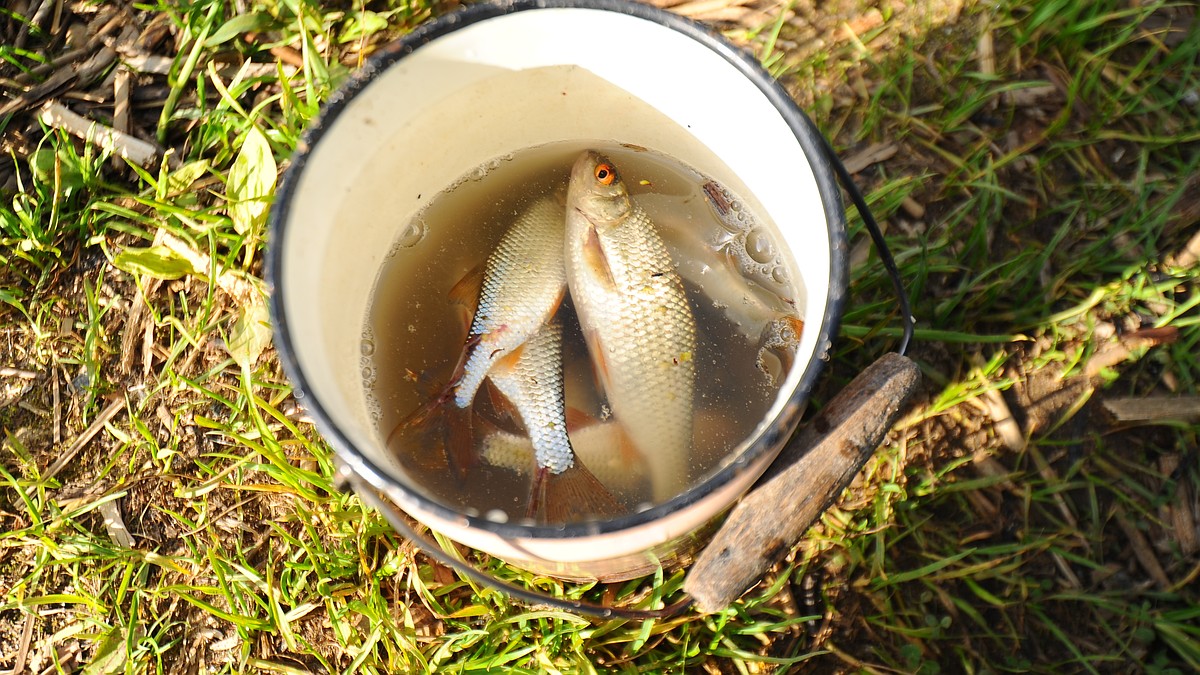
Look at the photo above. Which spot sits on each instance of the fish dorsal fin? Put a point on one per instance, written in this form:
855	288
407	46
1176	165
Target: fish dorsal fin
465	293
596	261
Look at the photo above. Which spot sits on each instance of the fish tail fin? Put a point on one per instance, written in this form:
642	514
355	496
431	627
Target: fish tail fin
574	494
438	423
458	441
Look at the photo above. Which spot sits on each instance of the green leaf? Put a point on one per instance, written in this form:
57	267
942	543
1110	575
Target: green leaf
251	333
10	297
362	24
159	262
110	655
45	161
251	182
182	178
242	23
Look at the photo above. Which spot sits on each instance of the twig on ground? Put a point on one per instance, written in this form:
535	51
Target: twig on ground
1189	255
148	63
913	208
9	371
1179	510
872	154
1113	354
83	439
713	10
121	78
289	55
39	17
1154	409
19	664
57	406
855	26
73	55
56	82
148	349
121	99
1002	419
115	525
986	53
121	144
1143	552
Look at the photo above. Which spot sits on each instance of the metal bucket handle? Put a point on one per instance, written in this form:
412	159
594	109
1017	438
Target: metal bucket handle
347	478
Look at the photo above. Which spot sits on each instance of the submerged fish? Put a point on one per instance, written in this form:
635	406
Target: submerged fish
766	314
635	317
530	377
622	471
505	302
523	283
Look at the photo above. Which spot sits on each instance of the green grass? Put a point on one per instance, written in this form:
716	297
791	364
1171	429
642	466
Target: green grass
1051	190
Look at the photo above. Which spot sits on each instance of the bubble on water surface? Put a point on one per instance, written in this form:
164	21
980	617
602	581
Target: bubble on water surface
412	234
759	246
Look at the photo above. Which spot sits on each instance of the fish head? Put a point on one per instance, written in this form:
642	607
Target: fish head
597	191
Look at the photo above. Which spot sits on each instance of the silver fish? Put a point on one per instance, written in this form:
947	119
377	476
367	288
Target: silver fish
634	313
531	378
523	283
506	301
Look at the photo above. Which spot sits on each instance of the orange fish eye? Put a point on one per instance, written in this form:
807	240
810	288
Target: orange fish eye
606	174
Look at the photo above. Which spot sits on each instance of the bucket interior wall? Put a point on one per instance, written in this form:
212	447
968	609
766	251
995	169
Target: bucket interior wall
498	86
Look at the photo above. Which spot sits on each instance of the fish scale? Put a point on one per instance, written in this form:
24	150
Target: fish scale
634	312
524	281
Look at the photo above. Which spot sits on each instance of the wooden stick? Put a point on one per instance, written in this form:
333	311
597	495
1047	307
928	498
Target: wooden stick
135	149
1154	409
94	428
1142	550
810	473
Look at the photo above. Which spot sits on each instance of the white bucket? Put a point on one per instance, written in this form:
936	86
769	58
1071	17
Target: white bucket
485	82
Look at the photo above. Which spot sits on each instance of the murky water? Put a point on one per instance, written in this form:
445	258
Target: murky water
742	294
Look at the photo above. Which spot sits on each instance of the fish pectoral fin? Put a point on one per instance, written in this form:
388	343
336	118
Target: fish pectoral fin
459	441
506	363
465	294
596	261
578	419
437	436
599	358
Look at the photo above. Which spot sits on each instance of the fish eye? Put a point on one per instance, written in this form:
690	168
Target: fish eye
605	174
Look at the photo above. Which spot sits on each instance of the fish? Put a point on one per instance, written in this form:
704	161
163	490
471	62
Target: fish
635	317
503	302
765	314
531	378
601	446
524	281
